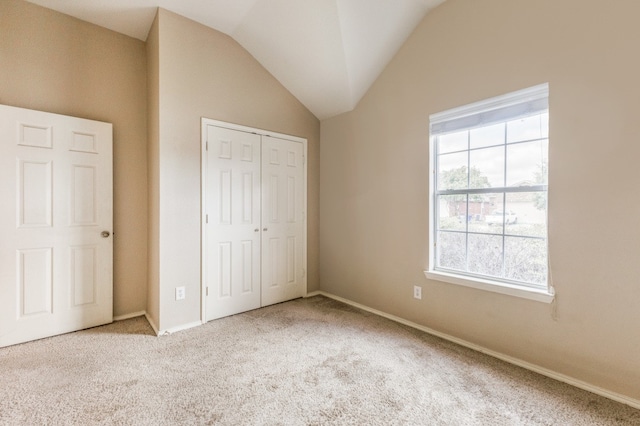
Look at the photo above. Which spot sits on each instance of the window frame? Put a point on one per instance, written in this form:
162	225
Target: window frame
494	110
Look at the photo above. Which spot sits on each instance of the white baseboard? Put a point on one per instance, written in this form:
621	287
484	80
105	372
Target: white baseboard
172	330
131	315
154	326
511	360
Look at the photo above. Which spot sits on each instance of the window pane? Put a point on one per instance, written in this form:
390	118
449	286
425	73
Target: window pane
487	168
451	250
452	211
487	136
452	171
481	207
529	214
527	163
485	254
524	129
526	260
453	142
497	216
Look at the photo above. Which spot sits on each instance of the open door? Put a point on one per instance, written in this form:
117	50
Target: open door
56	221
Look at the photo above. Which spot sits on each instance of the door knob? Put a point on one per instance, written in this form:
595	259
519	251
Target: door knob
264	229
256	230
105	234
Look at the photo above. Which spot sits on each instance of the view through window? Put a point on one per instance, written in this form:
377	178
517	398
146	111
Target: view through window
489	188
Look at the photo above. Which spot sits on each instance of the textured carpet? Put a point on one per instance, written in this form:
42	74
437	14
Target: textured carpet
306	362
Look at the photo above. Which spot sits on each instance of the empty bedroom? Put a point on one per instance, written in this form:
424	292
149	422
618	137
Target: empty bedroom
284	212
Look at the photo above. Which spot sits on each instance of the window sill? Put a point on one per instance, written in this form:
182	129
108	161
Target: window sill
493	286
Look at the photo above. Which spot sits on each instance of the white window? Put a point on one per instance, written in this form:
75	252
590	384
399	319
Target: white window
489	187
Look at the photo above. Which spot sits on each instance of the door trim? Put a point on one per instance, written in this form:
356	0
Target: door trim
203	190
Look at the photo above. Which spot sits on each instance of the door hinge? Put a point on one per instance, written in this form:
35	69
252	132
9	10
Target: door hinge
206	291
206	146
206	218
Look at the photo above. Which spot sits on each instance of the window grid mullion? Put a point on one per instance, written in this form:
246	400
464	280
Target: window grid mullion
466	236
466	216
497	145
504	203
491	190
504	228
436	204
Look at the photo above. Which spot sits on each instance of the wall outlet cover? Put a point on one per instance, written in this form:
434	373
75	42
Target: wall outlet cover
180	293
417	292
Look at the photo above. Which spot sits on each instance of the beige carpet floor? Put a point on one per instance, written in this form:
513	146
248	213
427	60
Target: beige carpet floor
306	362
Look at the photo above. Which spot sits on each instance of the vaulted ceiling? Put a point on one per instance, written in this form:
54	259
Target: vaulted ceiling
327	53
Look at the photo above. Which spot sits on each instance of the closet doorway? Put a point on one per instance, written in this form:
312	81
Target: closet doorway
253	218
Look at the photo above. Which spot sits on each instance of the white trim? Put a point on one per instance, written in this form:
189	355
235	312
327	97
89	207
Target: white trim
131	315
210	122
635	403
539	295
305	213
539	91
203	212
182	327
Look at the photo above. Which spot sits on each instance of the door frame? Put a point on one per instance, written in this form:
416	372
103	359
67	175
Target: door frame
203	191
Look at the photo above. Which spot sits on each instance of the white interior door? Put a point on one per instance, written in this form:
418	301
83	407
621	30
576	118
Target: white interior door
254	251
56	250
282	220
232	271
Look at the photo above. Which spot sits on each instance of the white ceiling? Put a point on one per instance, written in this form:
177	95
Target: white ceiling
327	53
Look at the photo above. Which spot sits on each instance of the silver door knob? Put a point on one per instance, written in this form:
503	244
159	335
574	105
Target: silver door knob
264	229
105	234
256	230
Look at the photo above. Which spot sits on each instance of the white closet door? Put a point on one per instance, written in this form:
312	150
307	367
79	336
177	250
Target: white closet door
283	222
232	247
56	249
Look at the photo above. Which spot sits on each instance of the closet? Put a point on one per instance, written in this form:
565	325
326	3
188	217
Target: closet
254	218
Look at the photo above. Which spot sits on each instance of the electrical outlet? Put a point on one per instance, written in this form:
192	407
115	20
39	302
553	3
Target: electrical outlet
180	293
417	292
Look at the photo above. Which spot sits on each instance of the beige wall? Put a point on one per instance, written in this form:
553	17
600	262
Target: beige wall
153	161
374	181
204	73
55	63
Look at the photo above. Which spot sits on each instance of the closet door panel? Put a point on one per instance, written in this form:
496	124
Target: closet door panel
232	254
282	220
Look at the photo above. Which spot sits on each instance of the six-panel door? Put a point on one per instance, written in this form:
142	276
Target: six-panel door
255	232
282	220
233	222
56	202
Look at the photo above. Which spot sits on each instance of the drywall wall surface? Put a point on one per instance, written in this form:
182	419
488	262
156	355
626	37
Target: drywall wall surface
204	73
153	176
375	181
55	63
